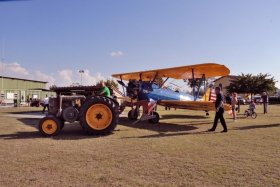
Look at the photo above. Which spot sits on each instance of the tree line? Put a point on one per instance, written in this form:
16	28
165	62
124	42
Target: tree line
253	84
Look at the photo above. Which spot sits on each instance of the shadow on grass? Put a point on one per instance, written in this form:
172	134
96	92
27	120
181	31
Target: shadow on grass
162	135
256	127
25	112
69	132
170	116
163	128
160	127
75	132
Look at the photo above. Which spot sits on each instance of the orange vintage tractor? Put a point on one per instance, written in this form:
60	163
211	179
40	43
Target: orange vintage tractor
98	115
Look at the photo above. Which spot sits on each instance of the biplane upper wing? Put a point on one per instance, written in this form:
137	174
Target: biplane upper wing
182	72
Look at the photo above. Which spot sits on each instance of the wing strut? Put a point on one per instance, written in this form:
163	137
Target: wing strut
193	85
156	75
199	86
205	87
123	85
196	94
163	82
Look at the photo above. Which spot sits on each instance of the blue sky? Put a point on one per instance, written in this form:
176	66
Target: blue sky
55	38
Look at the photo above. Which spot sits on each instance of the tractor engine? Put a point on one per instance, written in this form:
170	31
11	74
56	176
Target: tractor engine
67	107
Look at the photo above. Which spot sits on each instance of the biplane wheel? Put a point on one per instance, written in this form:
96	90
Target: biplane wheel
99	115
156	119
50	126
132	115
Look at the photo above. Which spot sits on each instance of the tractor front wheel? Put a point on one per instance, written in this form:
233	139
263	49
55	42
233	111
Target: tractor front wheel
50	126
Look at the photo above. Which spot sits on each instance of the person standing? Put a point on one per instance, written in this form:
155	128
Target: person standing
234	102
219	105
265	102
46	104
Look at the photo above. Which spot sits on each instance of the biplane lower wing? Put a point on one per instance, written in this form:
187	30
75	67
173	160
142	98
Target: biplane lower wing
191	105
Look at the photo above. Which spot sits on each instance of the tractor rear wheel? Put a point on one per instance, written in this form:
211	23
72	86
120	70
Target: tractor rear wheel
50	126
99	115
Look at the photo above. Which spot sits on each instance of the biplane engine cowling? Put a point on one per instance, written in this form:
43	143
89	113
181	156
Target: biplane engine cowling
133	89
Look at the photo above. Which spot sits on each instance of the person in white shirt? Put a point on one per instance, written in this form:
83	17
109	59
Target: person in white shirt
46	104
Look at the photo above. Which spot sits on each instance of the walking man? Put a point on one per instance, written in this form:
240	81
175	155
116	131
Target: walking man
46	104
219	105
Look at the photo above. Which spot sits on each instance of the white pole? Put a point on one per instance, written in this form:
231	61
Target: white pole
81	73
2	62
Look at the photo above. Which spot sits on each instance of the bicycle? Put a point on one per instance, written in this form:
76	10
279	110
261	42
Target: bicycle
250	113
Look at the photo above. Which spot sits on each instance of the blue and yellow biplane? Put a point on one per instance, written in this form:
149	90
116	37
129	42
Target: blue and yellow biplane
144	90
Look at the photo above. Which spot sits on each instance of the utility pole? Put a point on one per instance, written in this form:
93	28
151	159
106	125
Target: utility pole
2	59
81	73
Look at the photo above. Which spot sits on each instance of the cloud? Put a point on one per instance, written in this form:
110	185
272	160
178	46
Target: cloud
14	69
116	54
44	77
9	69
68	77
63	77
88	79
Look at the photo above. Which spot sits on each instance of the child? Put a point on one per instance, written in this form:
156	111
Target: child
252	106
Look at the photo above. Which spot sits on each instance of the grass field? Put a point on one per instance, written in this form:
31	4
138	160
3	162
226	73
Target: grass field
177	152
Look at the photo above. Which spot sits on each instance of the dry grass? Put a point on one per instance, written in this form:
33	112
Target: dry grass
176	152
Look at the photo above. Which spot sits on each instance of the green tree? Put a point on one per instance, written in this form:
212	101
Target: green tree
252	84
266	82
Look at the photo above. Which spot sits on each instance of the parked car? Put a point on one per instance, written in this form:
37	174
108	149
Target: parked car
257	99
241	100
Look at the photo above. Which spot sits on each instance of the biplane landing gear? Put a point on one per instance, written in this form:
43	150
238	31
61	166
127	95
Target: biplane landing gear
155	118
133	114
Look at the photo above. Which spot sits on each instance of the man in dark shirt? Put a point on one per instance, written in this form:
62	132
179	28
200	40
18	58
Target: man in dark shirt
265	102
219	105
